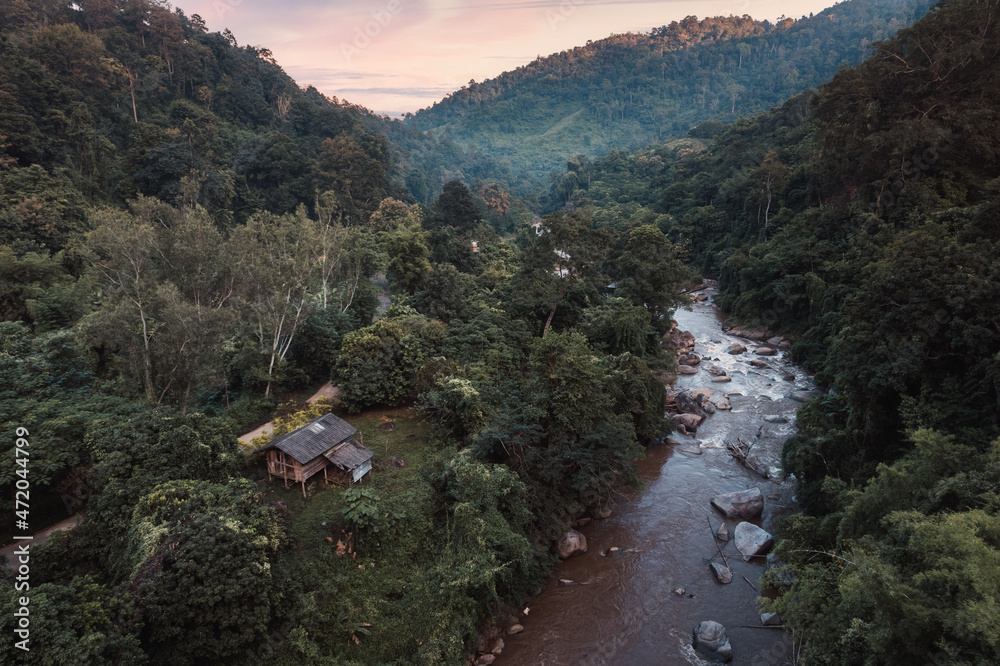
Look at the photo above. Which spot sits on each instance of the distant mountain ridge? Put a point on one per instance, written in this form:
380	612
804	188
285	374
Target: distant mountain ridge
631	90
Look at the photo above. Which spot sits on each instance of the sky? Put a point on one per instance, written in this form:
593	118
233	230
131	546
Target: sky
394	56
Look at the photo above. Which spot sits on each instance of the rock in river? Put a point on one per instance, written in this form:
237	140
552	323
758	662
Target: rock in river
741	504
689	359
721	572
572	543
770	619
775	418
722	534
736	348
686	370
765	351
711	640
688	404
677	339
717	371
751	540
689	421
722	380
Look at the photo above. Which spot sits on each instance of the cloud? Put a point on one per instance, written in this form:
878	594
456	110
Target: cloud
403	92
331	73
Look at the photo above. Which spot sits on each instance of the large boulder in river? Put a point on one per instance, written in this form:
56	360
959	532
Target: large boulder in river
689	404
736	348
711	640
765	351
572	543
687	370
689	359
751	540
717	371
699	392
724	379
680	340
741	504
689	421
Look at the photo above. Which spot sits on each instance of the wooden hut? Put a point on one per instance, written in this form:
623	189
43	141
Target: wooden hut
325	444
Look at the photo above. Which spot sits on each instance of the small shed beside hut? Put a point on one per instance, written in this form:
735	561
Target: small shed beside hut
325	444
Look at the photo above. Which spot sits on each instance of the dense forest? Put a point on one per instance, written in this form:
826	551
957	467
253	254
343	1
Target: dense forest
862	219
187	242
632	90
190	244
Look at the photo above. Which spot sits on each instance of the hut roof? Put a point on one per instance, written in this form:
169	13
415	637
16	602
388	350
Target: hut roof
349	455
315	438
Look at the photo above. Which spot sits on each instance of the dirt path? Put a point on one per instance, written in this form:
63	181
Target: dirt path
41	537
328	390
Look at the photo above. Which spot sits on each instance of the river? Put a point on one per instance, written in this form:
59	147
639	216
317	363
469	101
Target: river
622	607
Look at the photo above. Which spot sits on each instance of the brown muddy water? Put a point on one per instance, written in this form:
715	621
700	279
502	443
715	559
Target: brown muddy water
621	607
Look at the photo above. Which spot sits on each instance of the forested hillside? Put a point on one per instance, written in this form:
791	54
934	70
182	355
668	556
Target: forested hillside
189	246
629	91
862	218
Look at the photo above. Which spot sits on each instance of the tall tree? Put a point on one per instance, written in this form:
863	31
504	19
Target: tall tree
649	273
280	283
567	254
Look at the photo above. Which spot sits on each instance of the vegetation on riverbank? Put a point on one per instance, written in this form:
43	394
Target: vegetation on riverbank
862	219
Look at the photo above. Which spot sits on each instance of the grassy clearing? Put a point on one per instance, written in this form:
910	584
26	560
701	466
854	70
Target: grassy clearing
381	583
407	439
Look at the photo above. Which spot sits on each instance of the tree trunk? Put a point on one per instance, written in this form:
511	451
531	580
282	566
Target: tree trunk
768	209
135	114
147	361
548	322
